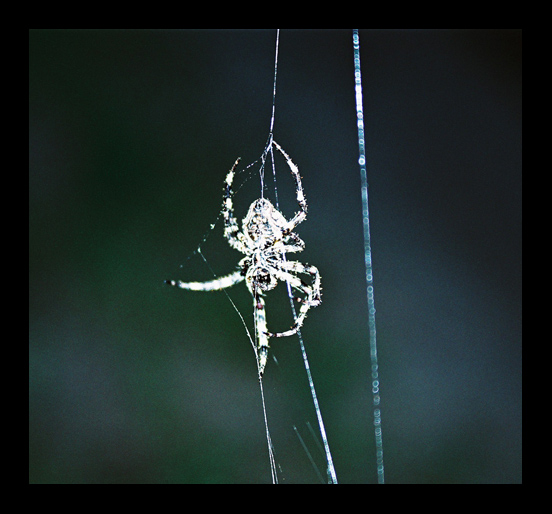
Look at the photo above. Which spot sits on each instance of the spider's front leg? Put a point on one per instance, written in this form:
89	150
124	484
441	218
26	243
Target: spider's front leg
301	200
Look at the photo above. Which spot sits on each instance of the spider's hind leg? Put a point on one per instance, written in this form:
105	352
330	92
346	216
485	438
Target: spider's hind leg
313	293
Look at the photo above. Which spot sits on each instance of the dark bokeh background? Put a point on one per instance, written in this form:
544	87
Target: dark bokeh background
131	135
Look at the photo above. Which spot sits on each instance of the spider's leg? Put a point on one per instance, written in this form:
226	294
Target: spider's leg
211	285
313	293
301	200
231	227
260	331
314	290
297	245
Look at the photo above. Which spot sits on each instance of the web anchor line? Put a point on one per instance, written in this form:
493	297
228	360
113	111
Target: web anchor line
368	263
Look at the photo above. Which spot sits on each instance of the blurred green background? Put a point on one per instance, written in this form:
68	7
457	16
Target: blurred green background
131	133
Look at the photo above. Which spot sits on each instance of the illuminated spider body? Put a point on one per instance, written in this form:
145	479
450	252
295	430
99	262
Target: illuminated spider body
265	238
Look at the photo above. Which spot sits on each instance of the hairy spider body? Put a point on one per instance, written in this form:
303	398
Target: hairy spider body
265	238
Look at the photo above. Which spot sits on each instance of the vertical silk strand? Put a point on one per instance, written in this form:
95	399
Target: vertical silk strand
274	88
368	263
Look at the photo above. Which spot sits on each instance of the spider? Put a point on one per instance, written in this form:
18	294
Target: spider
265	238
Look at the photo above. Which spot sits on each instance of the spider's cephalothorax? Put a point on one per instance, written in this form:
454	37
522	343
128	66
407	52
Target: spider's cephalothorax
265	238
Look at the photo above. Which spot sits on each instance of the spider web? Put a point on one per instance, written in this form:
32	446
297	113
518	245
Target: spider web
258	168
